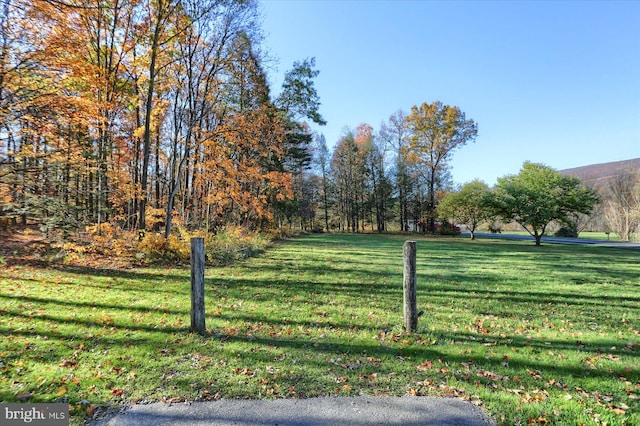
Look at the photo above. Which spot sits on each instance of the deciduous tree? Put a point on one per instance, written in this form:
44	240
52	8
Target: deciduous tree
436	131
622	204
394	133
467	206
539	195
322	163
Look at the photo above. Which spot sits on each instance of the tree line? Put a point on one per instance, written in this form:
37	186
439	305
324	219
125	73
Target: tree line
393	177
398	177
146	112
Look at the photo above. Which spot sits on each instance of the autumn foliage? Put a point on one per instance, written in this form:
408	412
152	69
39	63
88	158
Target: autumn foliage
141	113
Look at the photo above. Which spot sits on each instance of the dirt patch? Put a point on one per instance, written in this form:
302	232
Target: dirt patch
23	246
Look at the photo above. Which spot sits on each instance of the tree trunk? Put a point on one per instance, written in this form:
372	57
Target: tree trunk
538	238
146	140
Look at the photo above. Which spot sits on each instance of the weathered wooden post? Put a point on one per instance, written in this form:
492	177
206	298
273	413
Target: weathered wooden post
409	287
197	286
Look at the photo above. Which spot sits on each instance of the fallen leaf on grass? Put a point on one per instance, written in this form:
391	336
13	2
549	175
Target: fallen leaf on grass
492	376
535	396
539	421
244	371
344	388
369	377
536	374
68	363
427	365
374	361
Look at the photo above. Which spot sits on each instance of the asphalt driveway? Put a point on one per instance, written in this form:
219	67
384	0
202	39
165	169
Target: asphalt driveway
363	410
558	240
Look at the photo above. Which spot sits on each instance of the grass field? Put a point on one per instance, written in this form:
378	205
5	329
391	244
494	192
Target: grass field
586	235
535	335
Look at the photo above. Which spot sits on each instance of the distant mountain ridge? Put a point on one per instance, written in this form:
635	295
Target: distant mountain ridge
597	175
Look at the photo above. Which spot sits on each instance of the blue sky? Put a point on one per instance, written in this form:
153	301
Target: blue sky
550	82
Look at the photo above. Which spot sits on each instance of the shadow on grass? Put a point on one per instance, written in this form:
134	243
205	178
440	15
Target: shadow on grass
92	304
412	356
281	280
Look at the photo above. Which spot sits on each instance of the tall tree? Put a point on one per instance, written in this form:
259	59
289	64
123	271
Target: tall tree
299	97
322	163
299	100
436	131
348	176
394	133
299	103
161	15
377	186
217	45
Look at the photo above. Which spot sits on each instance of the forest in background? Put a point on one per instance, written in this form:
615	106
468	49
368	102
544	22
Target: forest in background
143	112
157	115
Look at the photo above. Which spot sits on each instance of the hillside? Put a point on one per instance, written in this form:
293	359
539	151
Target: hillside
597	175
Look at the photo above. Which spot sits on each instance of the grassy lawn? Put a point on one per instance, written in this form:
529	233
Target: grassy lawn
586	235
540	335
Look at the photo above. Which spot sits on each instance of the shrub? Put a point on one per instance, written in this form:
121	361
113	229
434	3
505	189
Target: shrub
495	229
109	239
229	245
447	228
565	232
233	243
157	248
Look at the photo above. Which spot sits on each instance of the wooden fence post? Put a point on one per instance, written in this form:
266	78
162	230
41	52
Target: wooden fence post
409	287
197	286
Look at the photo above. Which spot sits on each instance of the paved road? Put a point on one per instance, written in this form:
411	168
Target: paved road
558	240
364	410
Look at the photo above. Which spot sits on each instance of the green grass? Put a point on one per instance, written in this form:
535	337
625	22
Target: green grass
586	235
533	334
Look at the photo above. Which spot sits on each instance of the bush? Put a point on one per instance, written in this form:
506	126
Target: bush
157	248
230	244
565	232
233	243
495	229
109	240
447	228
